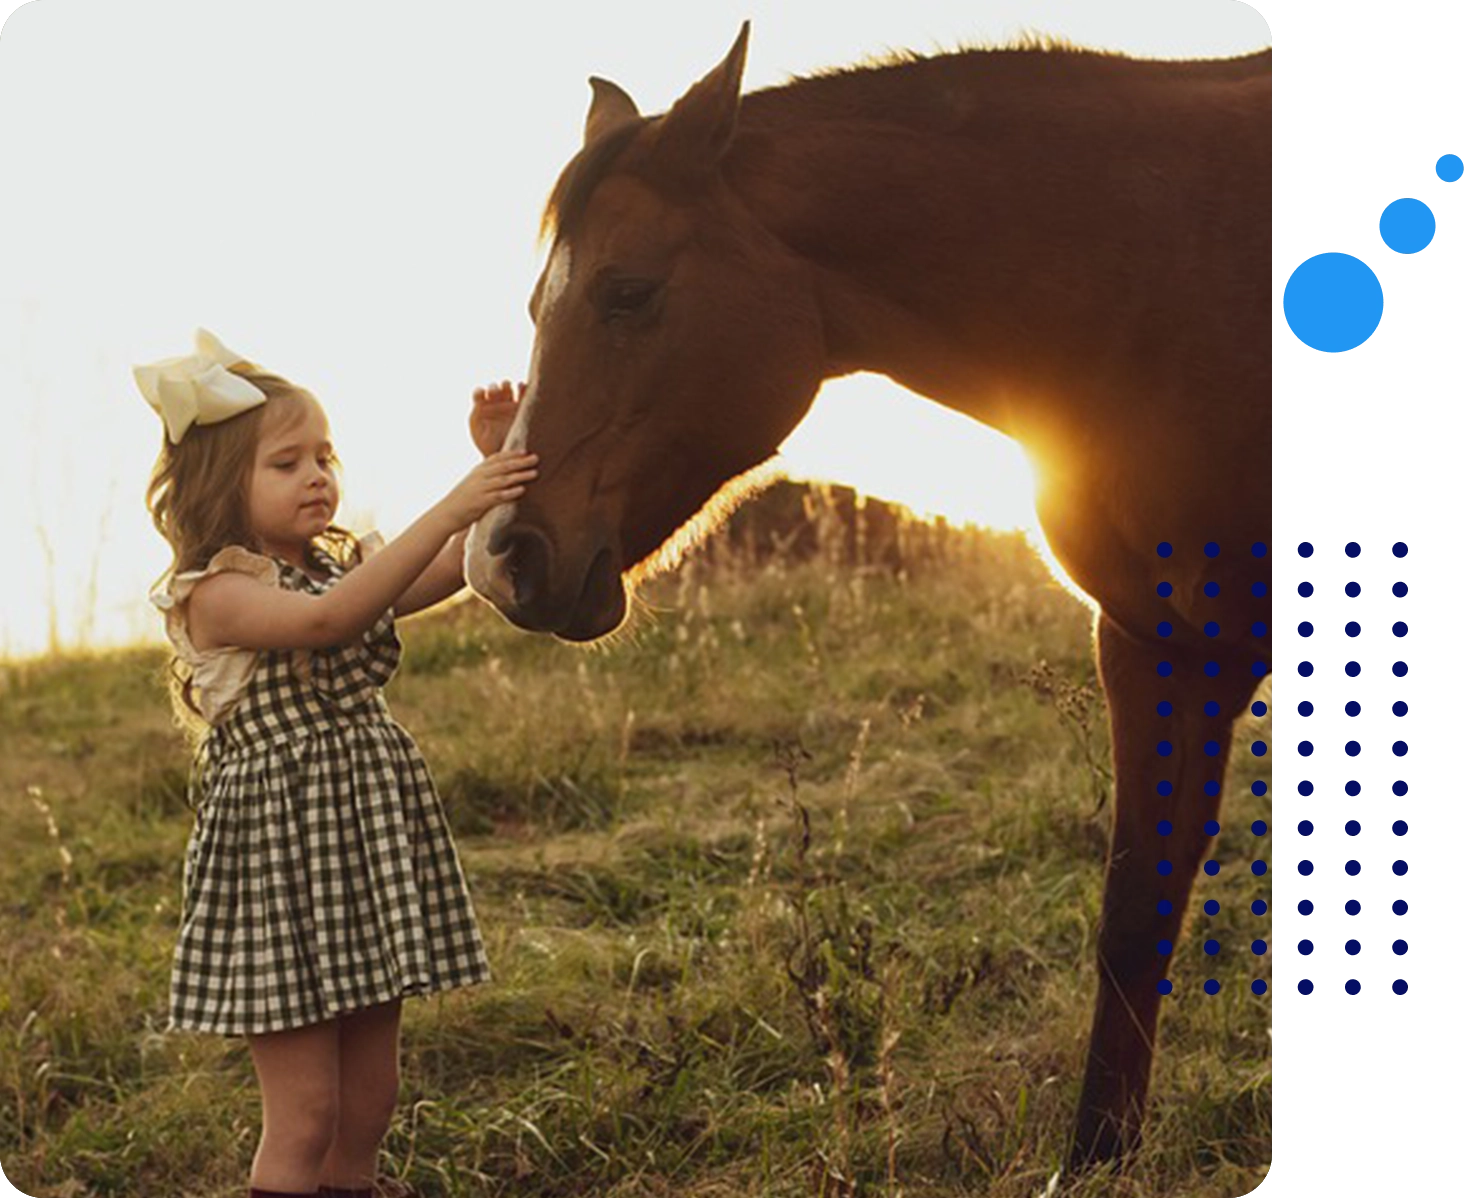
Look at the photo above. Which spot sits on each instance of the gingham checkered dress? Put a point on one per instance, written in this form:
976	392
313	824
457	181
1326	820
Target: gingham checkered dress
320	876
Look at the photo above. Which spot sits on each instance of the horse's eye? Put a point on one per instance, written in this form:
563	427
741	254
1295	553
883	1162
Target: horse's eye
622	298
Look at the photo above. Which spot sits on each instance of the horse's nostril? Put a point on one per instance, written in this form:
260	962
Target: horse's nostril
527	562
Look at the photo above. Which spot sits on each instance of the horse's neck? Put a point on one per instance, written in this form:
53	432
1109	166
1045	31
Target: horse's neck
1002	231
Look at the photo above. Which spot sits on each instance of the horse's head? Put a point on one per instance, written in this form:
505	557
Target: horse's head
677	344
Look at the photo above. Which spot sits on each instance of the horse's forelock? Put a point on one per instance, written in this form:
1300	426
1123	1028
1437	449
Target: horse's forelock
572	192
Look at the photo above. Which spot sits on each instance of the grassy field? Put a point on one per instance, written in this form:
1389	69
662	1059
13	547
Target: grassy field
790	891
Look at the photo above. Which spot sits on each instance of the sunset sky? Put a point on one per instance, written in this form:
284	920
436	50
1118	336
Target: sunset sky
349	195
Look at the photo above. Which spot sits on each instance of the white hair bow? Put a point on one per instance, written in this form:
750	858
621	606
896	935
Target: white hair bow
197	388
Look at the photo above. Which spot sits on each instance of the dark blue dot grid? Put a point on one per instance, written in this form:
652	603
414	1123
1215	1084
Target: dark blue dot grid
1255	946
1349	637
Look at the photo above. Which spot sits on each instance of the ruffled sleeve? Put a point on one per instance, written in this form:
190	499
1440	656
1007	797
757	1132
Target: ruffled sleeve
218	677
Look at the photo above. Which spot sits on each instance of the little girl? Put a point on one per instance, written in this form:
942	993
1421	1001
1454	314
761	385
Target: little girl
320	882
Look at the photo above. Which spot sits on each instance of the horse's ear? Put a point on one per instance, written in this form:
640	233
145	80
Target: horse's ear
691	139
610	107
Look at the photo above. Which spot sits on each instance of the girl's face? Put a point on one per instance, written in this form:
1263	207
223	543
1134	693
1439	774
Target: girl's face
293	488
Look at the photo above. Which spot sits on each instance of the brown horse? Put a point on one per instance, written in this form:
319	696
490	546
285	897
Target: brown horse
1070	247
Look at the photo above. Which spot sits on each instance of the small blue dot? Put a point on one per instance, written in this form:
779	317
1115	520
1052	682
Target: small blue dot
1164	868
1305	907
1164	826
1260	787
1259	590
1306	748
1353	867
1258	549
1353	549
1399	589
1210	668
1164	629
1399	947
1399	628
1211	589
1399	549
1449	170
1211	628
1164	668
1399	747
1305	549
1305	669
1306	827
1258	906
1212	986
1399	907
1211	549
1211	748
1399	987
1306	628
1259	669
1258	628
1258	827
1164	987
1399	668
1353	589
1353	787
1305	986
1211	907
1353	748
1210	787
1407	225
1352	828
1211	828
1211	708
1211	868
1353	987
1399	868
1164	947
1305	590
1399	789
1164	708
1353	947
1211	947
1353	668
1353	907
1259	869
1306	947
1164	549
1164	589
1353	708
1399	827
1259	986
1353	629
1259	948
1164	788
1164	906
1306	707
1164	748
1399	708
1306	788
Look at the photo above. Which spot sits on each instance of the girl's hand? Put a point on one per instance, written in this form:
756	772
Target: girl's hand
499	479
494	411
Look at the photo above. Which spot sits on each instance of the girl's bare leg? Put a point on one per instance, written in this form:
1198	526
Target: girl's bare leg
368	1094
299	1086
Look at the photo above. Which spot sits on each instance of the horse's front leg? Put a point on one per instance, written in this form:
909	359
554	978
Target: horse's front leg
1142	906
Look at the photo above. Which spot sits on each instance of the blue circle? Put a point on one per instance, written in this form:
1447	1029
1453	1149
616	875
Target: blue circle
1353	947
1259	748
1399	788
1164	788
1306	788
1352	828
1164	947
1164	589
1407	225
1333	302
1399	668
1211	628
1305	669
1399	708
1258	549
1164	748
1210	668
1305	827
1305	986
1164	668
1305	549
1259	869
1399	549
1210	788
1399	827
1211	907
1259	986
1258	827
1353	748
1353	787
1449	169
1212	986
1211	708
1164	906
1259	787
1259	590
1164	826
1306	707
1399	868
1353	668
1353	907
1399	628
1164	987
1211	828
1306	590
1211	549
1211	868
1353	708
1211	947
1399	947
1164	549
1164	708
1353	867
1306	947
1259	907
1259	669
1164	868
1399	987
1211	589
1353	628
1258	628
1353	589
1399	747
1164	629
1305	907
1306	748
1211	748
1353	549
1353	987
1399	589
1399	907
1306	628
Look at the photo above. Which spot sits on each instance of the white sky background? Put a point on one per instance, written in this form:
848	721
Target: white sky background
349	194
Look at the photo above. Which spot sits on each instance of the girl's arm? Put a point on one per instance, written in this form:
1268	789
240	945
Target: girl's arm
232	609
443	579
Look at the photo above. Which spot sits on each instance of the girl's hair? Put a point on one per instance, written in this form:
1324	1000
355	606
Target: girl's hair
198	496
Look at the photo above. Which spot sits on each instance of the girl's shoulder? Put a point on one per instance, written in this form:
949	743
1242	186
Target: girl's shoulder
174	591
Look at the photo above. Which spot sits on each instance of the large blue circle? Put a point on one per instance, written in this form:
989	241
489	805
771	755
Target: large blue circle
1333	302
1407	225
